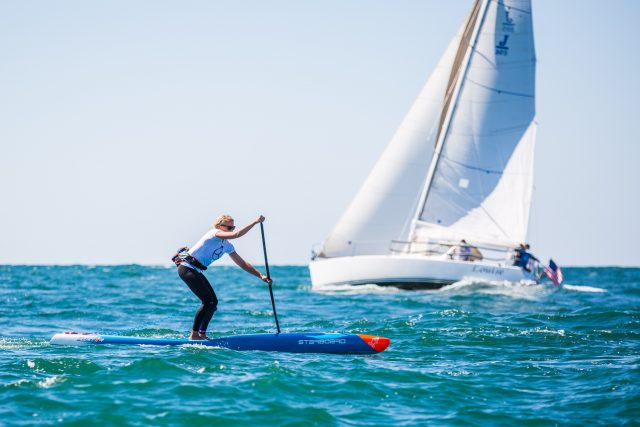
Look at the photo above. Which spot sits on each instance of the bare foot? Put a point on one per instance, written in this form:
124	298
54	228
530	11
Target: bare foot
203	336
195	336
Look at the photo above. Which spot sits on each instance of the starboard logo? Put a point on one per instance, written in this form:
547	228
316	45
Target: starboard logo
507	24
501	48
323	341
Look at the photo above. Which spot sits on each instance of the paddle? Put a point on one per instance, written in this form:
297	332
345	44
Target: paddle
266	264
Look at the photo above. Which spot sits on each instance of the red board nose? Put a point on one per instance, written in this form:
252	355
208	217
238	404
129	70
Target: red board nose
376	343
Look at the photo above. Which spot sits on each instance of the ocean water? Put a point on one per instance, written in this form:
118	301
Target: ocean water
471	354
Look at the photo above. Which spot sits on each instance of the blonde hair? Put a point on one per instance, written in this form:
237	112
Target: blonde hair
221	219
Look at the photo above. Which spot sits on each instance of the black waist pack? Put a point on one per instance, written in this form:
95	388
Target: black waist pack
183	255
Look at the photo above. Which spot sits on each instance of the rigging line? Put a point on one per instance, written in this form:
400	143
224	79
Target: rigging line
486	58
474	167
457	208
500	91
479	205
484	170
494	221
494	132
458	213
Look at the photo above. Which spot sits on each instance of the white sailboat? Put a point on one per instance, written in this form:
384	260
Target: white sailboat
459	167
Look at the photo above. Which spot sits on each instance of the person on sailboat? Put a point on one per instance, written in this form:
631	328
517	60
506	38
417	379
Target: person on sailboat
211	247
516	254
461	252
523	257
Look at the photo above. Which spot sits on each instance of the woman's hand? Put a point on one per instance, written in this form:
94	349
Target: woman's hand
238	233
266	279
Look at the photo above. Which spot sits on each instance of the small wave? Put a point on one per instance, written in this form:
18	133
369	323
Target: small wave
17	383
461	373
50	381
521	290
462	284
579	288
153	417
62	365
21	343
452	312
43	383
202	347
560	332
370	288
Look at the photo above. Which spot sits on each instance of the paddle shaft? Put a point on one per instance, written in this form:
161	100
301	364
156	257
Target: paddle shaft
266	264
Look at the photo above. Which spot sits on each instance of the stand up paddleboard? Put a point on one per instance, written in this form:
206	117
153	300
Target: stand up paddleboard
306	342
303	342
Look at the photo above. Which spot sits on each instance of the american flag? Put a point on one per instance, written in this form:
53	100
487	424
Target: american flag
554	273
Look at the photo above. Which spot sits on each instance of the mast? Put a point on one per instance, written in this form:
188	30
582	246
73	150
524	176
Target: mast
458	75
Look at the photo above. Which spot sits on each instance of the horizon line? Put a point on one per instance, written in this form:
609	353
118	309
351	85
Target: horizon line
167	265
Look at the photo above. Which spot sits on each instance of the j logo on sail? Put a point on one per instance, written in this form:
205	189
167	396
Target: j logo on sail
502	48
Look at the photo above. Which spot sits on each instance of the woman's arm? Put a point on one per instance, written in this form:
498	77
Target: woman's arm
248	267
241	232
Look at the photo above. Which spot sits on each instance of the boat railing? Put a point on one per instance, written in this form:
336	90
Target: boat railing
433	248
454	249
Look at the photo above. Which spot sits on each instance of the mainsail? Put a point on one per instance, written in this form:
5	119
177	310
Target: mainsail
473	122
481	177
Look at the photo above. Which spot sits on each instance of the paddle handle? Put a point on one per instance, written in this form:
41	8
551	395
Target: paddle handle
266	264
264	250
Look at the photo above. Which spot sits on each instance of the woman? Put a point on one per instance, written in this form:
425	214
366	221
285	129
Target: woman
209	248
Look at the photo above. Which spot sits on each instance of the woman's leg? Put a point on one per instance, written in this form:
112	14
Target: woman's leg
209	308
201	287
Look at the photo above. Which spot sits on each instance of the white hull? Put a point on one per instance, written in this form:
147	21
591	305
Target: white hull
407	271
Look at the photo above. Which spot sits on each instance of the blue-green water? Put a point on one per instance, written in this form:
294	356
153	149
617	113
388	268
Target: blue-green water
472	354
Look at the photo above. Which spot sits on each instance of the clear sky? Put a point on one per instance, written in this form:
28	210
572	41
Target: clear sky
126	127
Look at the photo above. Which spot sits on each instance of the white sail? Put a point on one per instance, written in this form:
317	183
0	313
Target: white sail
482	175
387	201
